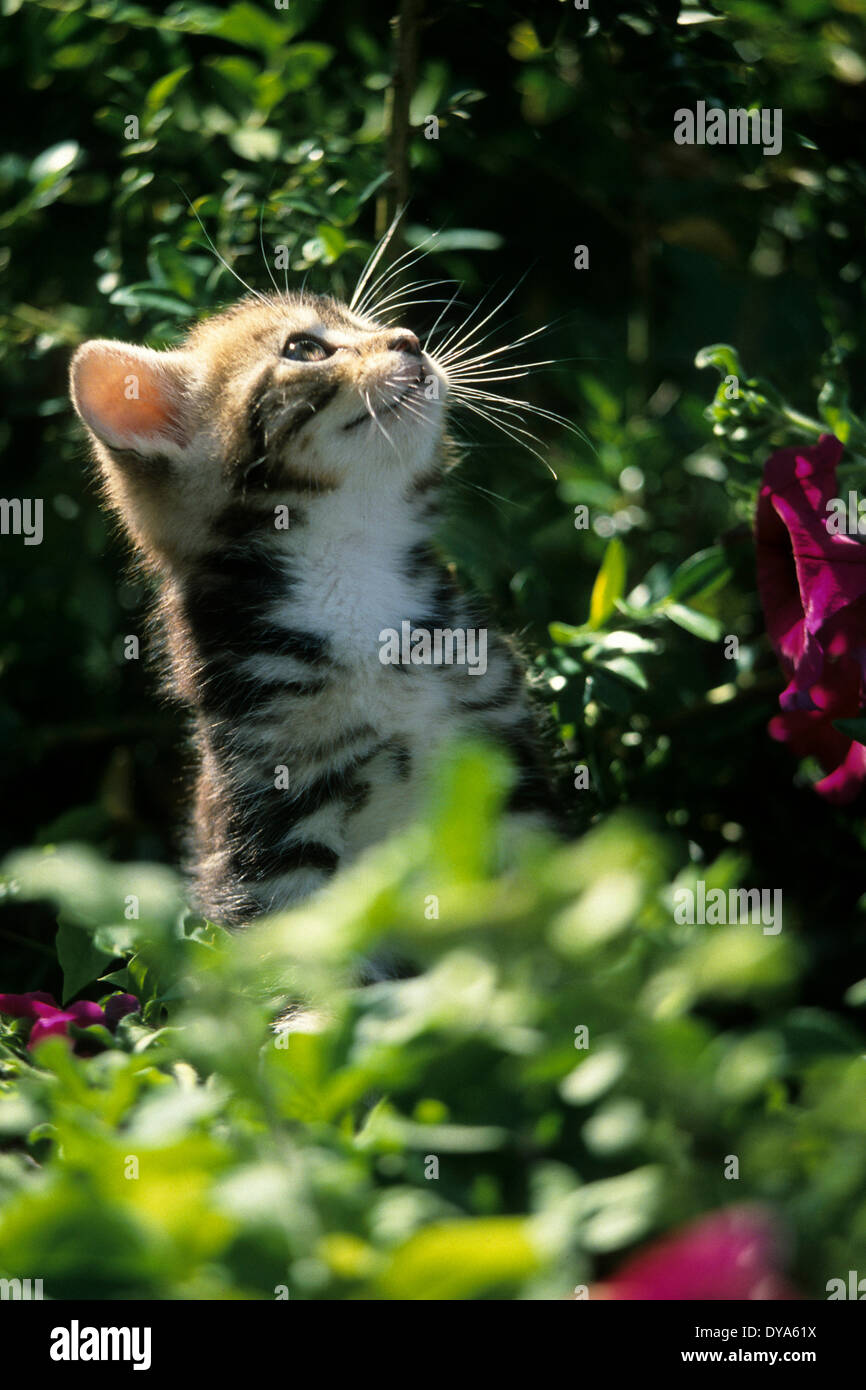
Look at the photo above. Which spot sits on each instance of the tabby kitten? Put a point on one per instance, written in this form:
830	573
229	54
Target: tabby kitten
278	475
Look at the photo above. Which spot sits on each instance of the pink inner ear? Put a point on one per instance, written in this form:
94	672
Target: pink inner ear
124	396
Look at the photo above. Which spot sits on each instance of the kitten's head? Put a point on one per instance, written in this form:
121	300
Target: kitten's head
278	396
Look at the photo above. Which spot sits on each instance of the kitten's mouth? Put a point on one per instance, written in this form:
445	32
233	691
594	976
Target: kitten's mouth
386	408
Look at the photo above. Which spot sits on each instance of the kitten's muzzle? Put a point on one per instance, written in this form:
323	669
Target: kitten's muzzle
407	342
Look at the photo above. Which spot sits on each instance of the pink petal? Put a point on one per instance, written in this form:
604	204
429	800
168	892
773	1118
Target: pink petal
118	1006
57	1026
730	1254
25	1005
846	781
806	576
84	1013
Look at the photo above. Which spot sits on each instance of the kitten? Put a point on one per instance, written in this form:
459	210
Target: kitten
278	475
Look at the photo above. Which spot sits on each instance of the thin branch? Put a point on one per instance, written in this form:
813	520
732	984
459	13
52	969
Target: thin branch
404	74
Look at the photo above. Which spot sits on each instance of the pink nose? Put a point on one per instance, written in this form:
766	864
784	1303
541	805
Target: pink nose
404	341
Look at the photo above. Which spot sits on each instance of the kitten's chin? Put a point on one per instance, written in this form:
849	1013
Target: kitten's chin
403	431
406	441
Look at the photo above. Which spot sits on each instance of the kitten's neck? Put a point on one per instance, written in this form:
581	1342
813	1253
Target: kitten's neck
300	582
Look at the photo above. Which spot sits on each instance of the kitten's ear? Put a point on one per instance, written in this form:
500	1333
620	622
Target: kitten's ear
133	398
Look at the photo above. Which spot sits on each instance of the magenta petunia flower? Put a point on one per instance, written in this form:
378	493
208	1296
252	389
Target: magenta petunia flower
51	1021
731	1254
812	584
118	1006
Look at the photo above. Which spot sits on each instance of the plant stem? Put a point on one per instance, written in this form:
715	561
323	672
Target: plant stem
804	422
407	35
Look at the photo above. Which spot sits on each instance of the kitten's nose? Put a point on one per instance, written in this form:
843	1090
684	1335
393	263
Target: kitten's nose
404	341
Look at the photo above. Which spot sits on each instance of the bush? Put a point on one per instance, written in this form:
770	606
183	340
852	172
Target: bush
570	1073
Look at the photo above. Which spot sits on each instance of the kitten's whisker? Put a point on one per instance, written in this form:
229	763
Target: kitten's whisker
377	422
450	334
495	396
223	262
389	273
463	358
468	367
503	402
477	487
405	304
262	241
369	297
508	373
492	415
374	258
471	348
512	433
444	311
406	289
387	276
478	326
406	400
460	327
419	414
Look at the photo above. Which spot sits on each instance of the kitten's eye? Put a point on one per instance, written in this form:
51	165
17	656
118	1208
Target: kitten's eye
306	350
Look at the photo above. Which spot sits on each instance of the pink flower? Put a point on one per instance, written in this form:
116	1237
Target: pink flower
51	1021
118	1006
731	1254
812	584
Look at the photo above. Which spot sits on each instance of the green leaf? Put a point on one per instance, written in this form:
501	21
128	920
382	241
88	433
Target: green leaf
855	995
700	575
119	979
251	27
56	160
460	239
146	296
162	89
172	268
609	584
608	691
333	241
81	960
811	1032
689	17
721	356
627	670
569	636
255	142
303	62
460	1259
623	641
698	624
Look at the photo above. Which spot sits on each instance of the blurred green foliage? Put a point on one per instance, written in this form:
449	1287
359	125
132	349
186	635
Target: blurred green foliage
160	151
553	1059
